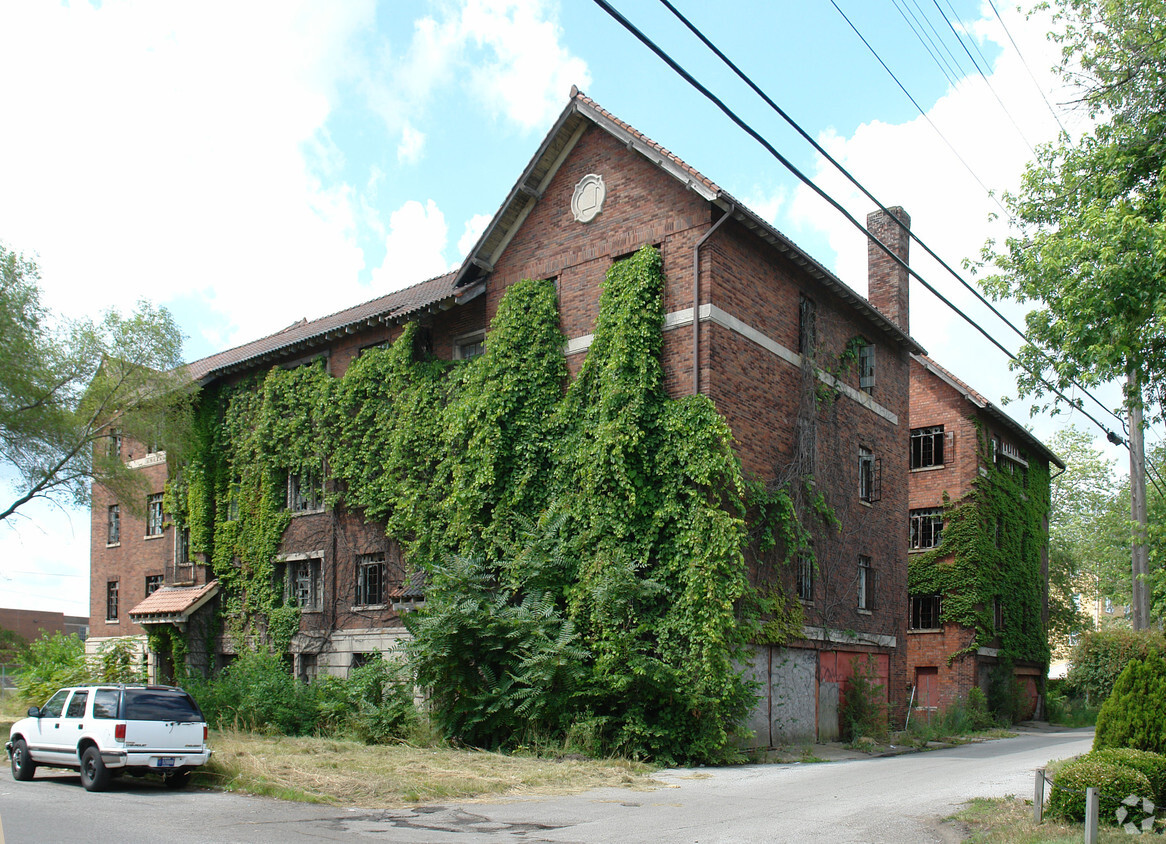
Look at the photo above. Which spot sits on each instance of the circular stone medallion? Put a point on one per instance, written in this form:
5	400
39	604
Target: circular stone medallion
587	201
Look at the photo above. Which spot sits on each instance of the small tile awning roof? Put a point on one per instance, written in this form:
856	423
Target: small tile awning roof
413	589
173	604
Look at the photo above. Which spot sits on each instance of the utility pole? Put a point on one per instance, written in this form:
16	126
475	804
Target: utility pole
1138	543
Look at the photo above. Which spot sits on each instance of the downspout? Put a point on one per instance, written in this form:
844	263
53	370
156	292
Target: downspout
696	298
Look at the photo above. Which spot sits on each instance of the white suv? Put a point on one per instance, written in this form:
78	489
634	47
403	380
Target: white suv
104	730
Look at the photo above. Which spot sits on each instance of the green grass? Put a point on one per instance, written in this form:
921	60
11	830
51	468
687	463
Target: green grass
1008	820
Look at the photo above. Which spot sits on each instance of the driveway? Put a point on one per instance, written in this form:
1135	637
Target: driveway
897	799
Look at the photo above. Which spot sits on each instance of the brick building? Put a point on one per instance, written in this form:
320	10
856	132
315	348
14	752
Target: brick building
961	443
811	377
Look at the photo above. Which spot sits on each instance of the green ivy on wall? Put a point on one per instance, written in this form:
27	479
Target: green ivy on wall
991	552
592	531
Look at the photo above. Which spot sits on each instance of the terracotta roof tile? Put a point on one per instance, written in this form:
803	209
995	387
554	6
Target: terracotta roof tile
174	600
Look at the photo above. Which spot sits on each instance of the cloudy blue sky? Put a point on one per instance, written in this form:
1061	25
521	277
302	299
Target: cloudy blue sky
247	164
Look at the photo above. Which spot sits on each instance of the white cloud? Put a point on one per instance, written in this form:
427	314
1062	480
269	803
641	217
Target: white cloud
473	230
413	248
766	204
411	146
507	54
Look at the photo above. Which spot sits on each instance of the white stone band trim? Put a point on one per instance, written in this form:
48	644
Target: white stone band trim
847	637
711	313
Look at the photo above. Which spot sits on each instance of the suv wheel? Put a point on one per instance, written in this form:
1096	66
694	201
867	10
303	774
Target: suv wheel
23	767
94	774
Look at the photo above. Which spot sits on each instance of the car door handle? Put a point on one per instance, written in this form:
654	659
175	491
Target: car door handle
80	726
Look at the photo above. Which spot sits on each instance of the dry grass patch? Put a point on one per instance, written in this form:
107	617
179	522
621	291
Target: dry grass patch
1008	820
379	776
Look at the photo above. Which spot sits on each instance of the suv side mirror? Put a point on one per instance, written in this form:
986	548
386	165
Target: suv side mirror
33	712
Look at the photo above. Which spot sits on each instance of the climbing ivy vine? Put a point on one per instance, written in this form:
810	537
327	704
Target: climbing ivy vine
991	552
583	542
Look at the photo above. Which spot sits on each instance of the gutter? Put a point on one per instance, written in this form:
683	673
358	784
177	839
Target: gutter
696	297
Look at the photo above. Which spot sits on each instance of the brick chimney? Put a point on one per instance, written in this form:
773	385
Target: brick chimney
887	282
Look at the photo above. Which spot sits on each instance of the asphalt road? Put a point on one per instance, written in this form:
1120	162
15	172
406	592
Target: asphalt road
899	799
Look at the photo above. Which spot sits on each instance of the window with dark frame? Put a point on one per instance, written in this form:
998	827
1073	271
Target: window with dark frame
303	583
182	547
111	600
154	515
927	447
113	446
805	584
924	613
866	583
370	580
926	527
807	325
153	584
470	346
304	493
997	614
866	368
113	525
869	476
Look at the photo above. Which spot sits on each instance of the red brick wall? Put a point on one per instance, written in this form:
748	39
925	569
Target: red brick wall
131	560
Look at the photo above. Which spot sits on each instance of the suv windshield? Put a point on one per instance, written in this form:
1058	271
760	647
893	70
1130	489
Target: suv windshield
160	705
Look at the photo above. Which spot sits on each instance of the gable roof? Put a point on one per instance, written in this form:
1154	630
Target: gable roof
580	113
981	403
466	282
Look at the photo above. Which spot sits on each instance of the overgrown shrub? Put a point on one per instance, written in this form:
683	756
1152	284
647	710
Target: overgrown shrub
1006	699
1132	715
1153	765
120	661
374	704
1113	781
1100	656
864	712
257	692
49	663
1069	711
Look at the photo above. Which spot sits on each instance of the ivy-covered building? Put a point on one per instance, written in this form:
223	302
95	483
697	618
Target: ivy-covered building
555	379
978	559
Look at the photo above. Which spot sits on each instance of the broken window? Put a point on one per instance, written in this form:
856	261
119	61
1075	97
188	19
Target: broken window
303	584
469	345
869	476
111	601
304	493
154	515
924	613
927	447
866	583
370	579
866	368
926	527
153	584
113	526
805	563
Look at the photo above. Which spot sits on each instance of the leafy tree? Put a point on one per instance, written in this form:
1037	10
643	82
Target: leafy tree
49	663
1088	533
1132	714
67	386
1089	219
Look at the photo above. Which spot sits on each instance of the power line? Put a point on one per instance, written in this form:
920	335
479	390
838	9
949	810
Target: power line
806	180
850	177
902	88
1027	69
983	76
955	61
911	24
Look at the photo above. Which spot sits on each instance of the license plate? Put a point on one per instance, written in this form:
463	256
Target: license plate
166	761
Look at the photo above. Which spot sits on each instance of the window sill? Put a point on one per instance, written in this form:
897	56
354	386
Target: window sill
865	503
154	536
367	607
112	621
295	513
862	611
926	630
929	468
113	544
921	550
